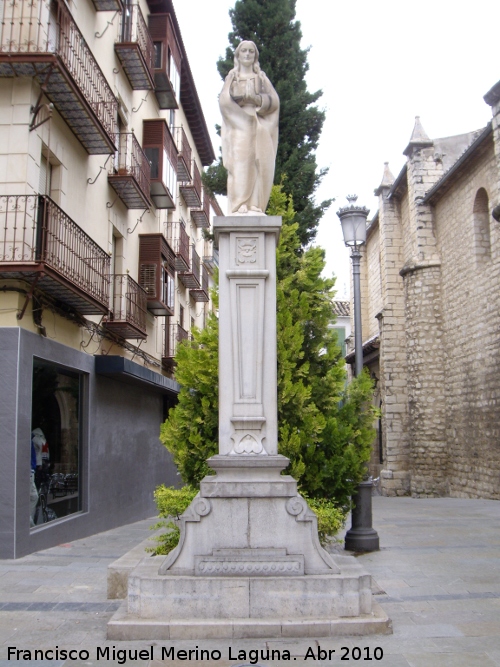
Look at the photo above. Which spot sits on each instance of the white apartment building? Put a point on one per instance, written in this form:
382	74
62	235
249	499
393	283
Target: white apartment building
105	259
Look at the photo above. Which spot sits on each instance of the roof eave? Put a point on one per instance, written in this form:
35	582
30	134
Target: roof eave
189	95
400	184
445	180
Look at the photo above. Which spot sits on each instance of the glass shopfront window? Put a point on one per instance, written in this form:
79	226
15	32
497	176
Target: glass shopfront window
55	443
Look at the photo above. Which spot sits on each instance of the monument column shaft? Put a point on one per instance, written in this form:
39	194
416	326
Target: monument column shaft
247	335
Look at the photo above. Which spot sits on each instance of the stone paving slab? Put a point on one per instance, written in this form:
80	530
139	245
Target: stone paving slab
438	577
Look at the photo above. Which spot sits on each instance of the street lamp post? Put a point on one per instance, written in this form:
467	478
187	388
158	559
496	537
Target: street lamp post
361	536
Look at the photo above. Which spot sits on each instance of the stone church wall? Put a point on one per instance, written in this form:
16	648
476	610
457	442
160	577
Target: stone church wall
471	322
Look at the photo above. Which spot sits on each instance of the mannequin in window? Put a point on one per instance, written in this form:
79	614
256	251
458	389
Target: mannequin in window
41	448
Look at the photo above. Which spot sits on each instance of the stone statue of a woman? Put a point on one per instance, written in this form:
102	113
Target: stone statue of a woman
250	112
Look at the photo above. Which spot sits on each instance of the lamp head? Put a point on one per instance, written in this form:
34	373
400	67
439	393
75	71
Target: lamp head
353	221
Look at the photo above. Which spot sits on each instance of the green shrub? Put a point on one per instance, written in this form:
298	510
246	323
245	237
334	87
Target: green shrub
325	427
171	504
330	518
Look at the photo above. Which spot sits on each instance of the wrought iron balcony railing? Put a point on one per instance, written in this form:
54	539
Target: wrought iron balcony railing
135	49
191	189
108	5
191	277
128	315
210	256
184	155
178	240
39	38
130	173
201	216
173	335
201	293
42	245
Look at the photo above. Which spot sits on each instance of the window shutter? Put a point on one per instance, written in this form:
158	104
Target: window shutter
147	279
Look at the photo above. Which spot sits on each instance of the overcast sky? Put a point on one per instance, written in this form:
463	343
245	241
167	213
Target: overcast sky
379	65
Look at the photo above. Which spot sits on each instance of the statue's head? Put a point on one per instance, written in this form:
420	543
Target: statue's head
246	52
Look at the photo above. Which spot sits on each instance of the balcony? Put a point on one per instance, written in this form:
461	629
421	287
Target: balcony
174	334
178	240
167	61
201	216
128	315
108	5
130	174
201	293
39	38
190	278
41	245
157	273
161	152
210	256
191	189
135	49
184	155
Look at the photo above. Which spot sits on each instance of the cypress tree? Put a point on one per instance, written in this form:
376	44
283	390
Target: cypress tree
325	427
272	26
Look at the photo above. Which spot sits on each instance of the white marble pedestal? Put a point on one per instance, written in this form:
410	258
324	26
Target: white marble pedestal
249	562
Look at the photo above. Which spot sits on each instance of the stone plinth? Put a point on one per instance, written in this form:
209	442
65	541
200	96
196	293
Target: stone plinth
261	515
248	564
247	335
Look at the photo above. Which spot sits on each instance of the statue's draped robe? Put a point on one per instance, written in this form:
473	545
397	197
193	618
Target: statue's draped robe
249	143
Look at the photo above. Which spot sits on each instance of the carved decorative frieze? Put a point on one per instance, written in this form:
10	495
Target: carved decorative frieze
249	562
242	568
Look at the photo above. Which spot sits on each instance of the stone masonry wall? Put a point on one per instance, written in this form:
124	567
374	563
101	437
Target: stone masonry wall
424	335
471	326
373	298
440	325
395	473
426	383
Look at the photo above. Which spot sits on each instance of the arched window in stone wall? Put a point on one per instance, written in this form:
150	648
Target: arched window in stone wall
481	218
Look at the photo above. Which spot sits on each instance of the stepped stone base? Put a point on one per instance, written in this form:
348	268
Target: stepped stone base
248	564
193	607
126	627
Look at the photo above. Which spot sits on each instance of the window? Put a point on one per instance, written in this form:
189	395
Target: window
55	442
45	178
161	152
127	22
50	175
157	46
168	287
341	339
153	155
156	273
174	76
169	175
168	171
481	218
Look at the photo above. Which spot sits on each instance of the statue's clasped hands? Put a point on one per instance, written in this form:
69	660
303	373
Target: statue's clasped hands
248	98
243	91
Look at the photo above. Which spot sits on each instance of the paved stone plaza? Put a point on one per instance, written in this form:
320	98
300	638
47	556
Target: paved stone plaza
437	576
